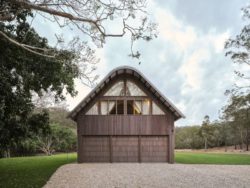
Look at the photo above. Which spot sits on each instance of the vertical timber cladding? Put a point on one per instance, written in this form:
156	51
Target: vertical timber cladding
154	149
95	149
125	119
125	149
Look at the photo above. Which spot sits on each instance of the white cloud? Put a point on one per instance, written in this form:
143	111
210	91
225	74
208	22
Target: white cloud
174	30
185	63
192	68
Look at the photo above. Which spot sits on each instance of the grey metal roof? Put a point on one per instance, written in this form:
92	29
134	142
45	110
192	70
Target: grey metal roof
134	72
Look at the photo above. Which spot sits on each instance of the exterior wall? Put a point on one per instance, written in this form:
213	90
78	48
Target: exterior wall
134	138
136	129
124	125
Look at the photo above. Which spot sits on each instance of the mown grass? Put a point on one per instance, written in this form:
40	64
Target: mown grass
212	158
31	171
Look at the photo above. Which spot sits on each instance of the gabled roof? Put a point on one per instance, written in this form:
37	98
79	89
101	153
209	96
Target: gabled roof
131	71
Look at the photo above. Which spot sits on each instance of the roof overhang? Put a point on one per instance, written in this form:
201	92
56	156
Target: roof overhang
132	71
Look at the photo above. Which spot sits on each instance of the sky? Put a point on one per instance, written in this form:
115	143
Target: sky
186	62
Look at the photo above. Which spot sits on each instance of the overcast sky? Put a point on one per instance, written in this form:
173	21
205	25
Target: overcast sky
186	62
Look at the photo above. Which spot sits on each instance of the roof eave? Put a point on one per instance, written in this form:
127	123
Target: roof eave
112	74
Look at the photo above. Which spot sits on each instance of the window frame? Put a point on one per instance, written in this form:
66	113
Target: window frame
126	98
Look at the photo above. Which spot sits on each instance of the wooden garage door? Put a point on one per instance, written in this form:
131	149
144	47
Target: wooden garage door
154	149
125	148
95	149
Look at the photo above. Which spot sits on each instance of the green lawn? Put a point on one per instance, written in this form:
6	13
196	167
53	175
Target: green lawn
31	171
211	158
35	171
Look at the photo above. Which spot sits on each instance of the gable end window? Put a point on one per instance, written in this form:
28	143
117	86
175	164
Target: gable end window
125	98
125	88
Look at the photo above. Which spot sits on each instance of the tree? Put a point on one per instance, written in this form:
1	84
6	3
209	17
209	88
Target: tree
29	65
23	73
59	139
188	138
205	131
238	49
95	19
15	130
224	133
237	112
59	116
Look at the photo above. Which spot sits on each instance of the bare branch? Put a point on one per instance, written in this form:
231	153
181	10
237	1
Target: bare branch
29	48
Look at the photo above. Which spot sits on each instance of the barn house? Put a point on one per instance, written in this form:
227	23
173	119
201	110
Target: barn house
125	119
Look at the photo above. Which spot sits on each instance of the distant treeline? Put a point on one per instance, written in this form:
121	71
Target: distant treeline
217	134
59	135
232	128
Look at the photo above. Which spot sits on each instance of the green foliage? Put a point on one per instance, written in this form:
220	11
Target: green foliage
188	137
59	116
16	129
212	158
49	131
237	49
23	73
31	171
205	130
65	138
237	113
60	139
218	134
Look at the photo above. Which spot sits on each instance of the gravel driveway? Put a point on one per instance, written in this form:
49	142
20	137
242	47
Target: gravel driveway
129	175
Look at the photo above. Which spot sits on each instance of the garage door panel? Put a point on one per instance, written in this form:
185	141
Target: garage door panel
125	148
95	149
154	149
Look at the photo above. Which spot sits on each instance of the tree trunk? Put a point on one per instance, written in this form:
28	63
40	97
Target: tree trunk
8	152
225	145
205	143
247	139
235	146
241	138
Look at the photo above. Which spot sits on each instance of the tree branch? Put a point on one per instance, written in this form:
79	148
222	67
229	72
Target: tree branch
66	15
30	49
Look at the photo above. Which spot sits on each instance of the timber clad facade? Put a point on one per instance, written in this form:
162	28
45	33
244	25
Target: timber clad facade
125	119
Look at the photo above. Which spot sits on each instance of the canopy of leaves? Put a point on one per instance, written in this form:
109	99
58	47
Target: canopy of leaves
238	49
22	73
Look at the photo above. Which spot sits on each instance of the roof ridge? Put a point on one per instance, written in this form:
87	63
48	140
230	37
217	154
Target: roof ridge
74	112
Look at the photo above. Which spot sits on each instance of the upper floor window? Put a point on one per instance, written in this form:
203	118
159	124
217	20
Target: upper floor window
93	110
133	90
111	107
117	89
156	110
125	97
138	107
122	88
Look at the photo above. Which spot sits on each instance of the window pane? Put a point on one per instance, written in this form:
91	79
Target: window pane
145	106
104	107
134	107
137	107
120	107
130	109
111	107
134	90
116	90
156	109
93	110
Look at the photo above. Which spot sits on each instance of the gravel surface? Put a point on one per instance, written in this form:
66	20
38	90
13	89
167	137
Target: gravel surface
148	175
